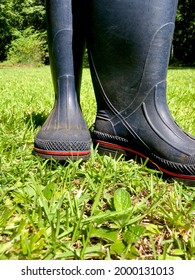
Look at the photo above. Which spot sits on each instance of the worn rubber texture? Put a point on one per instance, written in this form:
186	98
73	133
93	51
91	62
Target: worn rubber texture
63	144
129	45
65	135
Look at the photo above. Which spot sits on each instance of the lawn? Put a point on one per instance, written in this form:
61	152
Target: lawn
101	209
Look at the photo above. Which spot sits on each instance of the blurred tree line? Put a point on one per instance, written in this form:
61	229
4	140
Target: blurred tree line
184	37
23	32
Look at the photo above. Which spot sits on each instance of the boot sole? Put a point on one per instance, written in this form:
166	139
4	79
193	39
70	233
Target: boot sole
63	155
117	150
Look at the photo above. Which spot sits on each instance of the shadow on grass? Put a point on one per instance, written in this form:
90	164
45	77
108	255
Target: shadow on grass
35	119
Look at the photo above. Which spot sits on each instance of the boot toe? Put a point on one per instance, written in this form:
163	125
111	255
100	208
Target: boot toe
63	144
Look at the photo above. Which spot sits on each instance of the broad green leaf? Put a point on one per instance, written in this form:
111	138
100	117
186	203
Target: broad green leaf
48	191
178	252
105	234
132	253
122	200
4	217
117	247
133	234
153	229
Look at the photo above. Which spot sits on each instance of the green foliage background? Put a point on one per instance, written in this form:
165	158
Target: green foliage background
18	15
17	19
184	38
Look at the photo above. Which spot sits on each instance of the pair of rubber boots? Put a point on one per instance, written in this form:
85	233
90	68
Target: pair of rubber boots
129	44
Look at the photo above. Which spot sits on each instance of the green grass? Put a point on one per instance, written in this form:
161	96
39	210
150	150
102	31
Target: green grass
104	208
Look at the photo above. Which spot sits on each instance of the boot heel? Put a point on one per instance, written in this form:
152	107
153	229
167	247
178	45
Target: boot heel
111	151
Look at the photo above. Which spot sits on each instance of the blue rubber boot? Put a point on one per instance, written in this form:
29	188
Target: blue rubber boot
129	44
65	135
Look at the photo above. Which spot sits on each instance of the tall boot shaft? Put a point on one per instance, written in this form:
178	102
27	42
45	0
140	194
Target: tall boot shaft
60	35
132	39
64	134
66	38
60	41
79	40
